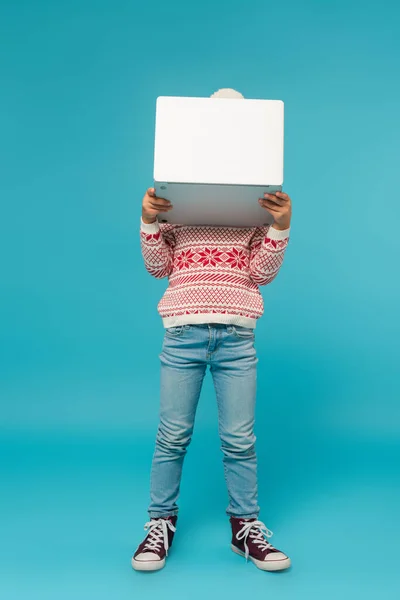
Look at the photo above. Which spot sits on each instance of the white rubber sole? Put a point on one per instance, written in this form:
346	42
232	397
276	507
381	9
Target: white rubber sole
266	565
150	565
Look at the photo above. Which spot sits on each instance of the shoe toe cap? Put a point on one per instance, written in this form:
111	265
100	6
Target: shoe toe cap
275	557
147	556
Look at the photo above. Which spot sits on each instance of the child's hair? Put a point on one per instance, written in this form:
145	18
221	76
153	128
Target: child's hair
227	93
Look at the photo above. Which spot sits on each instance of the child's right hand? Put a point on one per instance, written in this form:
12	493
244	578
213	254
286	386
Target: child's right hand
153	206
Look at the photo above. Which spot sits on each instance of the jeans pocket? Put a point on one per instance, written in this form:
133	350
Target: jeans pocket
177	330
243	332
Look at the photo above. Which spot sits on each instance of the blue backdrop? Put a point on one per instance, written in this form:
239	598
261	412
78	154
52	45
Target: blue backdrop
80	334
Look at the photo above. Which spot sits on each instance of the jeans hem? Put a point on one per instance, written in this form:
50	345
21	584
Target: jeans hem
245	516
164	513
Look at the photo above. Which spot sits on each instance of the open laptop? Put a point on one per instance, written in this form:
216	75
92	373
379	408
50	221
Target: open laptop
214	157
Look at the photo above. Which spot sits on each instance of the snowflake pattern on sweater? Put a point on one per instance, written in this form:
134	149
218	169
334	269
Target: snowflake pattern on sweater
214	273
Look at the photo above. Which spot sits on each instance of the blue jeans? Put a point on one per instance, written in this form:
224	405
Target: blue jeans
187	351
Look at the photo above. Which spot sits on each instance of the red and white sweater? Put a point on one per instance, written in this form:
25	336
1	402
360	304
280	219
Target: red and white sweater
214	272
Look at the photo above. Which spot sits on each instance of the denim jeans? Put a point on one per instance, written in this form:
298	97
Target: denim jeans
187	352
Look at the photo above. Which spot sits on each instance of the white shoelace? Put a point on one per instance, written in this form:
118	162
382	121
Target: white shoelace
158	534
257	532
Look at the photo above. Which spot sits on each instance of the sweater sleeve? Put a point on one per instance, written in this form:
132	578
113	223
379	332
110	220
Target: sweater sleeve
157	249
267	248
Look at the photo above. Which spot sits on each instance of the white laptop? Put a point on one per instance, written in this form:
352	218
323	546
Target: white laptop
214	157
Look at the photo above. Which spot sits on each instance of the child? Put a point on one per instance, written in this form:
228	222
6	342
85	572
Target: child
209	312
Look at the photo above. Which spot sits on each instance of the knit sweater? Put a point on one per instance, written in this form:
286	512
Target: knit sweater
214	273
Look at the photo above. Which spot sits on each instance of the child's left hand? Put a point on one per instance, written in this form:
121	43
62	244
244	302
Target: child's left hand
279	205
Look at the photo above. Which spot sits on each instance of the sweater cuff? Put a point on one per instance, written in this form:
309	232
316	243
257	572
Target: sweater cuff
149	227
277	234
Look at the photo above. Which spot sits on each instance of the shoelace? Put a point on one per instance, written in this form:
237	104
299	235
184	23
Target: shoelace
158	534
257	531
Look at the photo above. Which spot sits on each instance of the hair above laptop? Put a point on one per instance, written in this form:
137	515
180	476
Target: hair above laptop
227	93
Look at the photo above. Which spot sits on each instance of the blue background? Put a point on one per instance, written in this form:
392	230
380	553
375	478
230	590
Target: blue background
80	334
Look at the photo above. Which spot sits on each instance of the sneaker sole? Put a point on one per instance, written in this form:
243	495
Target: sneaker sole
141	565
276	565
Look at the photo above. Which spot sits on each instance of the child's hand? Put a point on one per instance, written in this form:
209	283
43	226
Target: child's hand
152	206
279	206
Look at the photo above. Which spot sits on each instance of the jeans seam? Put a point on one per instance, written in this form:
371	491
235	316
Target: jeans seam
227	486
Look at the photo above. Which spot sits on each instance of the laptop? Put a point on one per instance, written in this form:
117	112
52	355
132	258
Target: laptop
214	157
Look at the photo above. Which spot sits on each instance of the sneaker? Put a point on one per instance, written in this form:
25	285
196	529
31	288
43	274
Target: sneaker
250	539
152	552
